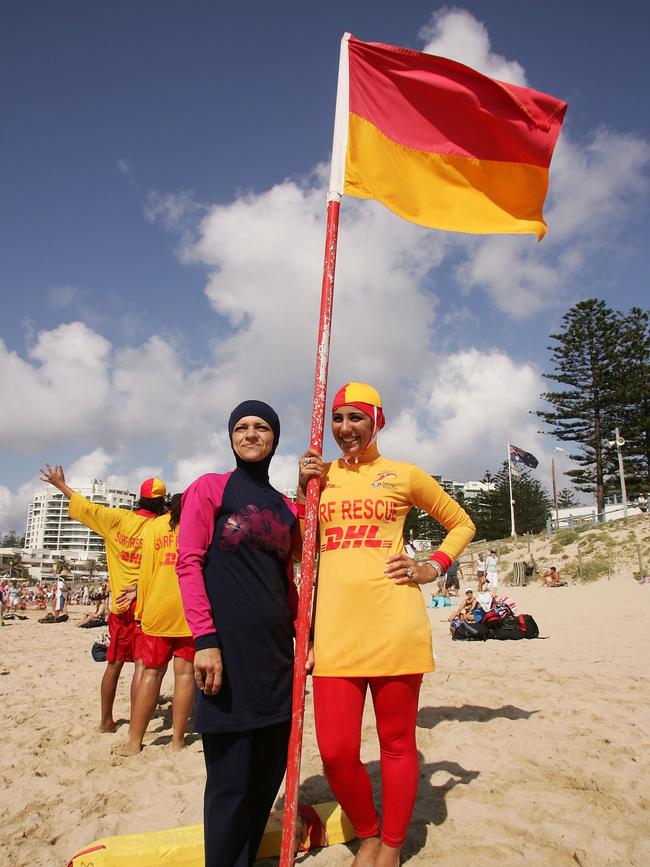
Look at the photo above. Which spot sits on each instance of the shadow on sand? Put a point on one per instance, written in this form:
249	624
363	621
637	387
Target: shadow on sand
431	797
429	717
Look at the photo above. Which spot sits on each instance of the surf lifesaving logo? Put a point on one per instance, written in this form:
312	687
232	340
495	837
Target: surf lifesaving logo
381	482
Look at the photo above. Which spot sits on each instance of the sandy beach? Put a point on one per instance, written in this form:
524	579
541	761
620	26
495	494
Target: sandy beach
533	752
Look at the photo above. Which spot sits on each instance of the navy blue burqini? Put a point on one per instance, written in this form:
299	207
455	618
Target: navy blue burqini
247	580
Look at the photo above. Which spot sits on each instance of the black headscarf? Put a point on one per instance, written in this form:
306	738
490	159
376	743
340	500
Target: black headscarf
258	470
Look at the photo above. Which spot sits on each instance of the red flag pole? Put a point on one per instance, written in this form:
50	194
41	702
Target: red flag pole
309	539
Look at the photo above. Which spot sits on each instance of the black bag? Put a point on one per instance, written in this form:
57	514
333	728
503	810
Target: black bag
491	620
508	630
470	632
528	626
98	652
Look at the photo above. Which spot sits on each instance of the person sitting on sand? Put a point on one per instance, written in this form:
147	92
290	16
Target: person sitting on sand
552	578
165	633
465	611
98	617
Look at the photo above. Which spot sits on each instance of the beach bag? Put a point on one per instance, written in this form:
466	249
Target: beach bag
100	648
491	620
470	632
508	630
528	626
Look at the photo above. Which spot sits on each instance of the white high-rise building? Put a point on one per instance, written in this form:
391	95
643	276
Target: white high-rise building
50	529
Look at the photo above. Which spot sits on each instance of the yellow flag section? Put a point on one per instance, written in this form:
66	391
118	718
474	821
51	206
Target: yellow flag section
319	825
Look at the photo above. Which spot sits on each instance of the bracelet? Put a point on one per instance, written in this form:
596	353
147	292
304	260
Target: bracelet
436	566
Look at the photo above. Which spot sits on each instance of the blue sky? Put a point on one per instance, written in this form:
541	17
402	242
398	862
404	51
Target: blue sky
163	196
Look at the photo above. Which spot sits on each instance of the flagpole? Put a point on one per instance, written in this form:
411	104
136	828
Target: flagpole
512	502
310	530
309	541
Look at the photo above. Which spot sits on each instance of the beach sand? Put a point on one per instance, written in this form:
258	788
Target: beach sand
533	752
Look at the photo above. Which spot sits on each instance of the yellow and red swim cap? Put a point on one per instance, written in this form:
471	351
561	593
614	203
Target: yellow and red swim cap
364	397
152	488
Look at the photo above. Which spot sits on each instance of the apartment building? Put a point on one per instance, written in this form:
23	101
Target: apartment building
50	529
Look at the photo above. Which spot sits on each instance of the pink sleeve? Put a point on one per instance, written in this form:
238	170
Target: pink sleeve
200	504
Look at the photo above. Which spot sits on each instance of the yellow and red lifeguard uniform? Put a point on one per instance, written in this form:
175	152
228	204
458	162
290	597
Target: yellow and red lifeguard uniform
122	532
363	506
159	607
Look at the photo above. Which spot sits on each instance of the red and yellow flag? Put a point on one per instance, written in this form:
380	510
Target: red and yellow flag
441	144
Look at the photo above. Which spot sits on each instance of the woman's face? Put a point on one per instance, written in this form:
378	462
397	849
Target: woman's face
252	439
351	429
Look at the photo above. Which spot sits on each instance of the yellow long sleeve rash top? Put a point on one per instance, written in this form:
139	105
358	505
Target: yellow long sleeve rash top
122	532
159	606
365	624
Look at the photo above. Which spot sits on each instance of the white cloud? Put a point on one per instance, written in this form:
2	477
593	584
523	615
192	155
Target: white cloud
458	35
94	465
13	505
597	186
140	409
58	393
459	415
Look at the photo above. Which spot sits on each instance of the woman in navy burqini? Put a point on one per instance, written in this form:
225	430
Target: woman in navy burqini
235	568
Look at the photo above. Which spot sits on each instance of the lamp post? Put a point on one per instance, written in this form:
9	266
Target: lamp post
618	441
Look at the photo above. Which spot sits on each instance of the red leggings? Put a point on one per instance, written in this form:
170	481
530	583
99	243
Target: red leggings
338	709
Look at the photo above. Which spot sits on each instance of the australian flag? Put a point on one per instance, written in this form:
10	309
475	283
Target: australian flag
520	458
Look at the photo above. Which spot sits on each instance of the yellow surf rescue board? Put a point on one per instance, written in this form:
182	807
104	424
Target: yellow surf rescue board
319	825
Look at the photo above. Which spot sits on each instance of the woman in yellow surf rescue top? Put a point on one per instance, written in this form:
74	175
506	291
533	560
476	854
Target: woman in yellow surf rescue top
371	624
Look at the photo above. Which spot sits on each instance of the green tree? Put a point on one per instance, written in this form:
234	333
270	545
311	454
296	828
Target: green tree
566	499
632	401
12	540
423	526
61	564
420	525
585	356
491	510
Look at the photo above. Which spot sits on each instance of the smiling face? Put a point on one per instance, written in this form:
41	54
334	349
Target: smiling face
352	430
252	439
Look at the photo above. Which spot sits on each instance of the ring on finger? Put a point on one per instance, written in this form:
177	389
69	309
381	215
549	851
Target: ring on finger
409	572
306	462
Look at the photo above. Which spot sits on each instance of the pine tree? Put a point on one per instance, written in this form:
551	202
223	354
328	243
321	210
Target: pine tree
423	526
586	358
632	399
491	511
566	499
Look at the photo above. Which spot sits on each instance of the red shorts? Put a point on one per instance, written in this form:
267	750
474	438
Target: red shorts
157	650
121	628
137	641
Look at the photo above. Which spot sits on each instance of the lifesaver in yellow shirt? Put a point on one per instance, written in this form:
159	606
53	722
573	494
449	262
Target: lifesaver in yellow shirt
319	825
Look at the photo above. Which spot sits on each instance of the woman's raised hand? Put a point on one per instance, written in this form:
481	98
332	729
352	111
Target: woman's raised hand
310	464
